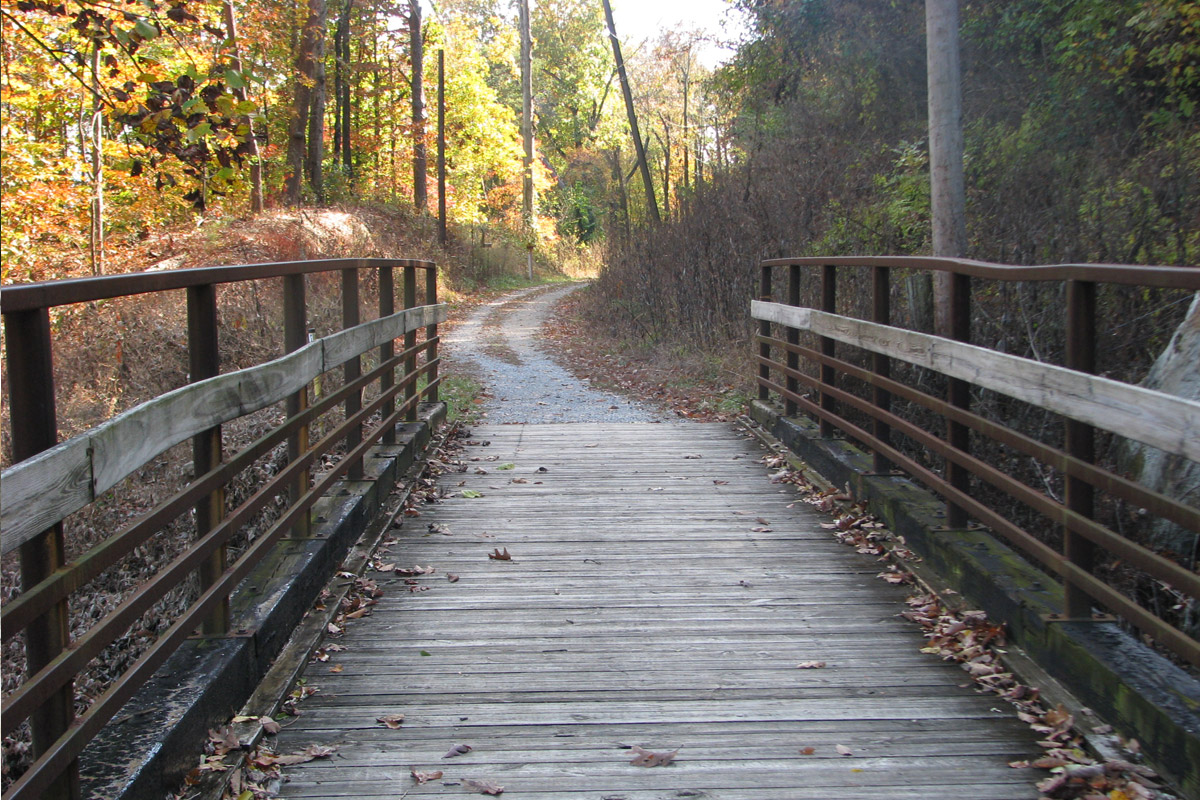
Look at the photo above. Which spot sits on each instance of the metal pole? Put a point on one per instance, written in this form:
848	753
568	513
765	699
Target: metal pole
387	307
352	369
431	352
410	341
764	329
1080	441
295	336
828	375
958	393
204	361
30	377
881	365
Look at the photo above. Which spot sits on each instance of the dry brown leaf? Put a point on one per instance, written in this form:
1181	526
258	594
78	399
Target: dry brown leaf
336	668
426	777
452	578
649	758
500	556
811	665
269	725
483	787
393	721
807	751
457	750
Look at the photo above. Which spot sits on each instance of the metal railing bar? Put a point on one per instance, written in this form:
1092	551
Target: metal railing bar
1145	559
1169	636
48	294
1125	274
36	688
1157	504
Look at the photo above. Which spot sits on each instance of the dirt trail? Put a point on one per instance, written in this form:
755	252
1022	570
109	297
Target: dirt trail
500	343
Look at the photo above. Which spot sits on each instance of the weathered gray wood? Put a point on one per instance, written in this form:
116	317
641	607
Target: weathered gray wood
1161	420
43	490
630	616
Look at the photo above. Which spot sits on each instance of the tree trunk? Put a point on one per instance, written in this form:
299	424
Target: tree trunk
347	152
651	202
947	193
256	176
316	115
96	134
417	55
306	68
527	199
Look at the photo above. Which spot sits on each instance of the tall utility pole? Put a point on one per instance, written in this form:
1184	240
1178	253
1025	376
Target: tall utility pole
947	191
639	146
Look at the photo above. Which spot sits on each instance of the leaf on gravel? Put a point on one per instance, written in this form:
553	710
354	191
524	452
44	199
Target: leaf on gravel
483	787
649	758
844	751
500	556
426	777
457	750
811	665
471	493
393	721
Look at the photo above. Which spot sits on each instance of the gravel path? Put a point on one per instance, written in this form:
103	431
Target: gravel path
523	383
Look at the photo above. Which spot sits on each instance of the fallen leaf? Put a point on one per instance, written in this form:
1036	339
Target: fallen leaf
649	758
471	493
509	465
720	483
500	556
426	777
760	529
269	725
393	721
807	751
336	669
457	750
483	787
693	455
844	751
313	751
810	665
452	578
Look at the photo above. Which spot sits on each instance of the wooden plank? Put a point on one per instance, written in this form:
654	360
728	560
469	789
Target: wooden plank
41	491
629	616
1155	418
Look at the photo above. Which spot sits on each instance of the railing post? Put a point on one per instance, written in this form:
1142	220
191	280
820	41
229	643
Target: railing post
352	369
34	429
881	365
793	338
431	352
295	336
828	375
959	394
387	307
204	361
410	341
1080	441
764	329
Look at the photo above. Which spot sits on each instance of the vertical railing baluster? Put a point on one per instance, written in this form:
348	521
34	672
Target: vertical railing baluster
30	378
295	336
793	338
1080	441
204	361
764	329
881	365
352	369
387	307
431	352
828	375
959	395
410	341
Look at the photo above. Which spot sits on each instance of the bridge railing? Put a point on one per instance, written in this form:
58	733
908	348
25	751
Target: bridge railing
856	400
50	480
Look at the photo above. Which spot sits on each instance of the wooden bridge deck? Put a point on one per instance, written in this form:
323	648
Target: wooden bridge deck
640	608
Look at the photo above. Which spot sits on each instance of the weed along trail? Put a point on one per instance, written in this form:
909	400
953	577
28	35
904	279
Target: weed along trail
523	383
